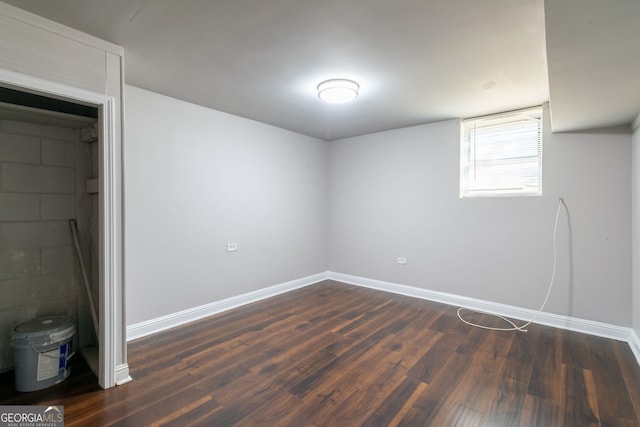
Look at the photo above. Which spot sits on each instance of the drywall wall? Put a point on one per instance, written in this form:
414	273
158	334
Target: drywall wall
197	179
395	194
636	225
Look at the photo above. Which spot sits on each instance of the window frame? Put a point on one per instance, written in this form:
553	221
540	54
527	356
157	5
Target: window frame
502	126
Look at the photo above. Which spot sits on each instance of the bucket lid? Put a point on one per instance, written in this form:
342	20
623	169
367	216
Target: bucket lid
44	325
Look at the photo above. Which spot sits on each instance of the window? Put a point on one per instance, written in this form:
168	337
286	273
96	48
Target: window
501	155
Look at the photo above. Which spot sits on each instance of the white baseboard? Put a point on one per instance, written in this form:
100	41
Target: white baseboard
634	343
590	327
549	319
148	327
122	374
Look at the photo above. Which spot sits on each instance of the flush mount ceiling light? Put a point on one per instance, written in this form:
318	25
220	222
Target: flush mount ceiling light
338	91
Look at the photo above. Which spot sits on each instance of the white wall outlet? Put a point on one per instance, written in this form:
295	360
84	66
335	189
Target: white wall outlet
232	247
401	260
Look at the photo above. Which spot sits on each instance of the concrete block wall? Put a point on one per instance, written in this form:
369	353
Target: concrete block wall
40	190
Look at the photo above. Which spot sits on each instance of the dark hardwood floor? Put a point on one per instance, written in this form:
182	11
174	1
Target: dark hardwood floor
338	355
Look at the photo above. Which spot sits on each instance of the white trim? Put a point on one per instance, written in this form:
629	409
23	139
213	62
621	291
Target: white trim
110	279
634	343
122	298
590	327
549	319
56	90
148	327
32	19
108	242
122	374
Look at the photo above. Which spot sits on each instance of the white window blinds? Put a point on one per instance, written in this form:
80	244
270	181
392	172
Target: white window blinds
501	155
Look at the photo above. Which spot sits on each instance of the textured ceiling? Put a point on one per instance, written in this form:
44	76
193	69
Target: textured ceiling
417	61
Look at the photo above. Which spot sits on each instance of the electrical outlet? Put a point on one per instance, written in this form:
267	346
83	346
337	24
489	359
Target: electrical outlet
402	261
232	247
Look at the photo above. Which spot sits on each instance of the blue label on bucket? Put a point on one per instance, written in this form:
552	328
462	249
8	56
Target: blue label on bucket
62	366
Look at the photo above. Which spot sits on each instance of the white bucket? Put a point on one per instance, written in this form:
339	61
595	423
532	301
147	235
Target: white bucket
42	352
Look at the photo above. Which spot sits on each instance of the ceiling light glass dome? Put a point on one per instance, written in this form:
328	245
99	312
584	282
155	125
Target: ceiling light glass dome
338	91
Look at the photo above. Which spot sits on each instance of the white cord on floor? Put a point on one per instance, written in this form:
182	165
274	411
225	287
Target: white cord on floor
522	328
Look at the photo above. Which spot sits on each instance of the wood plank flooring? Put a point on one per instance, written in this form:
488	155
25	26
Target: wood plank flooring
338	355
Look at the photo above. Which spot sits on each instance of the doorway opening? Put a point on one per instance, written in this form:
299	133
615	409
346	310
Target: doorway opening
58	165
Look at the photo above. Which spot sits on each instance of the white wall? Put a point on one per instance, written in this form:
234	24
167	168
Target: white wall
197	179
636	225
395	194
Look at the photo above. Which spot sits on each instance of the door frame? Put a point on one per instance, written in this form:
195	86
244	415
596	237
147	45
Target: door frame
112	365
